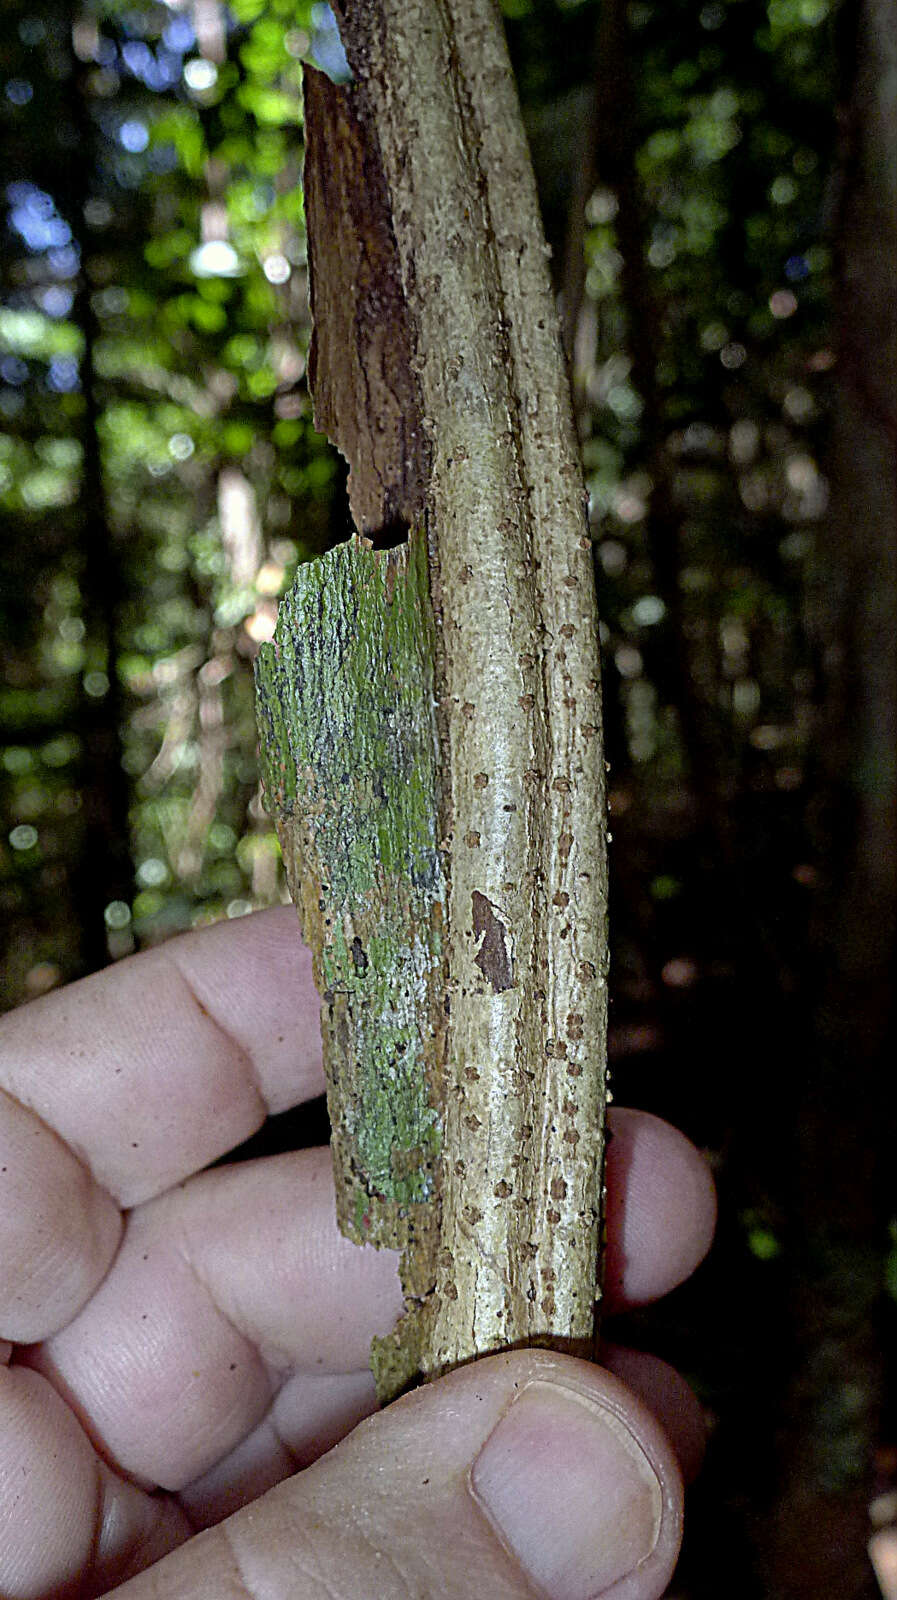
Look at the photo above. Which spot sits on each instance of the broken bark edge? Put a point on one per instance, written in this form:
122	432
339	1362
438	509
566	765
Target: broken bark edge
348	748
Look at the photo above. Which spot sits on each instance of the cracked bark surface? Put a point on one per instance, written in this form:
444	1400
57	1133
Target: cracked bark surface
437	369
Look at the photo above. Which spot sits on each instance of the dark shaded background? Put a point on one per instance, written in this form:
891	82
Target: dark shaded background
719	185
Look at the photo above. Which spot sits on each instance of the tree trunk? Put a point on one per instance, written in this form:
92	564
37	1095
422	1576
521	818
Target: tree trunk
430	709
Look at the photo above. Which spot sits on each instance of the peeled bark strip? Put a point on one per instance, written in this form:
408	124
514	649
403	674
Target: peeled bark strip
349	758
361	362
515	1051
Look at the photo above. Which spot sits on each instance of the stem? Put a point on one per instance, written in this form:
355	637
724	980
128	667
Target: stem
515	1066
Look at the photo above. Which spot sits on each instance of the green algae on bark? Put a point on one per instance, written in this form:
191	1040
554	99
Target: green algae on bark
349	763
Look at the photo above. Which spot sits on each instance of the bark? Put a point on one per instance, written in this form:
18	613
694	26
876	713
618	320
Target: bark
472	1034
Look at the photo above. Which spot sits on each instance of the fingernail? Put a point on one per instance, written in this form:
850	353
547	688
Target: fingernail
570	1491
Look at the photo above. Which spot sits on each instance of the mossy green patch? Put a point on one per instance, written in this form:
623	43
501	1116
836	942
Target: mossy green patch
349	762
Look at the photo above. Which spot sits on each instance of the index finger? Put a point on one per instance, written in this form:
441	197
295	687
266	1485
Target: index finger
121	1085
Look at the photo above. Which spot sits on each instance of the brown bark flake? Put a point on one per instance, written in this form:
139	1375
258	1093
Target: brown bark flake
493	956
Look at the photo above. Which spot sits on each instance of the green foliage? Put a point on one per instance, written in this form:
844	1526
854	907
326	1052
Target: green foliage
703	356
154	303
158	260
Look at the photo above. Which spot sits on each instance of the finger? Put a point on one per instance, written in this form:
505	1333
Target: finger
526	1472
229	1284
220	1291
125	1083
661	1209
67	1525
155	1067
309	1416
666	1394
58	1229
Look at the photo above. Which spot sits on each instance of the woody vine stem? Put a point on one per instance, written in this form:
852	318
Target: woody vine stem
430	707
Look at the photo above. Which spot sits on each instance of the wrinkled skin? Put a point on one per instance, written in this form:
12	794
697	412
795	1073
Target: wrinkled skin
180	1342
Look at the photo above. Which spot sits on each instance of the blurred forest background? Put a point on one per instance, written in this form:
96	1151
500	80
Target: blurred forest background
719	185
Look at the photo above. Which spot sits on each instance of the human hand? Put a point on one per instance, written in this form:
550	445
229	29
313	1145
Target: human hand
180	1344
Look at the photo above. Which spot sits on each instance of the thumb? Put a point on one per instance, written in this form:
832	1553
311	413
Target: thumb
523	1473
